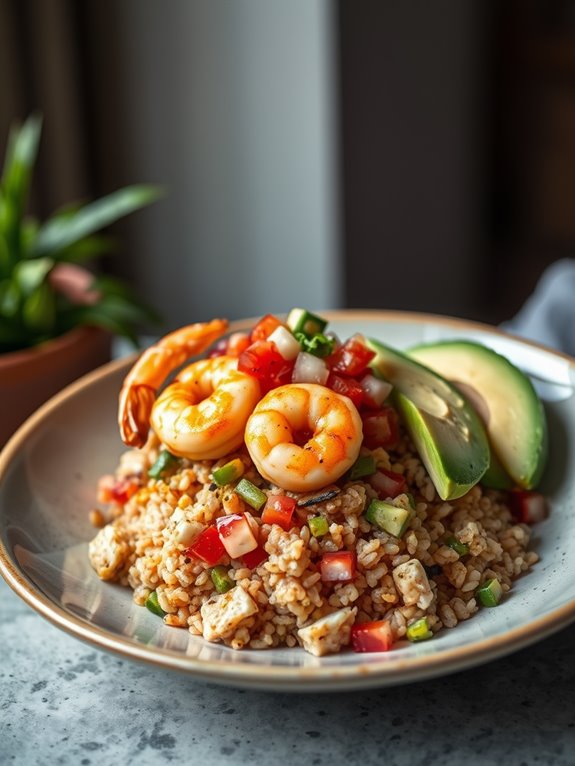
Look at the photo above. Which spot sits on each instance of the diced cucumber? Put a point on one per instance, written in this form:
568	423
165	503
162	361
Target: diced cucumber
153	605
460	548
390	518
221	579
301	320
490	592
363	466
228	472
318	526
418	630
164	462
251	494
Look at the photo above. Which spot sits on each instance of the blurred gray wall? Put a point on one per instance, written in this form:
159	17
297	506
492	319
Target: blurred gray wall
231	106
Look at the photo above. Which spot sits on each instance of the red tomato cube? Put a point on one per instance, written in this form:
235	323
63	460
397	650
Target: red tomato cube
372	636
279	510
263	361
338	566
254	558
346	387
352	358
381	429
119	492
264	328
208	547
527	506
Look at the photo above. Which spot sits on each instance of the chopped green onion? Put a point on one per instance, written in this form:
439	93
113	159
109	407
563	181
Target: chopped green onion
221	579
363	466
390	518
318	344
251	494
460	548
418	630
228	472
490	592
153	604
301	320
318	526
164	462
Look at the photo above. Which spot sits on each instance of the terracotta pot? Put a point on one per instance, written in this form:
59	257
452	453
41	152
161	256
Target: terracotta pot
31	376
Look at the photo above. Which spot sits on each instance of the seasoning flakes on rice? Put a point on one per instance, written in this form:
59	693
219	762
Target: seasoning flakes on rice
283	599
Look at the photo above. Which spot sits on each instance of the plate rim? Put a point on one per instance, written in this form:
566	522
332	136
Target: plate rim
375	673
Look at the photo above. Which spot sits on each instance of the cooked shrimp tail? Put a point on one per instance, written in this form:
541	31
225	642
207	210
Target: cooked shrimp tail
141	385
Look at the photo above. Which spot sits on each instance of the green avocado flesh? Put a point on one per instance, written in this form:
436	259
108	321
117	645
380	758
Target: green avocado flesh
508	404
445	429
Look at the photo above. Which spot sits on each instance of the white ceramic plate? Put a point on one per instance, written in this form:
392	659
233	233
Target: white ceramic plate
48	475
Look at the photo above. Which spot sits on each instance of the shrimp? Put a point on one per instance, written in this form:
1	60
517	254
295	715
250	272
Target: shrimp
203	413
328	423
152	368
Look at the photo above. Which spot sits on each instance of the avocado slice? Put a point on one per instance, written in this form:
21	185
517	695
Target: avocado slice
445	429
508	404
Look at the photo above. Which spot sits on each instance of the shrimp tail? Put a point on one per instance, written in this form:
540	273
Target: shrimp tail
136	404
142	383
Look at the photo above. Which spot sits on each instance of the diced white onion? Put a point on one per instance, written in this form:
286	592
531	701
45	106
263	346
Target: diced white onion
236	535
310	369
188	531
377	390
284	341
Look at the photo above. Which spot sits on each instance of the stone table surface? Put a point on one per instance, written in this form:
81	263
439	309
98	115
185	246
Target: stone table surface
64	702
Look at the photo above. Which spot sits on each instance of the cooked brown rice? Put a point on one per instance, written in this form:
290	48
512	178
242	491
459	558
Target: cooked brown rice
143	543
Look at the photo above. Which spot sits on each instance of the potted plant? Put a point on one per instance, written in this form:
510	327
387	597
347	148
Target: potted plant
56	317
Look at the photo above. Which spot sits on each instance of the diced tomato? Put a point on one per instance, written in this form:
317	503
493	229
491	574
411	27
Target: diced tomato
527	506
263	361
346	387
338	566
236	535
388	483
372	636
352	358
279	510
381	429
208	547
119	492
264	328
237	343
254	558
220	349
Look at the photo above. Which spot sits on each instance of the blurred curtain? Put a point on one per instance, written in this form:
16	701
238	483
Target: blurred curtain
41	68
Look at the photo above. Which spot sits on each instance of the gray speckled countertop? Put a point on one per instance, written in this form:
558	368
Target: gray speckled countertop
64	702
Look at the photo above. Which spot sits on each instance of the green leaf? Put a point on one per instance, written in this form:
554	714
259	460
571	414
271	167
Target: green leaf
122	310
11	336
10	299
5	260
39	310
86	249
28	232
108	286
58	233
21	155
29	275
93	315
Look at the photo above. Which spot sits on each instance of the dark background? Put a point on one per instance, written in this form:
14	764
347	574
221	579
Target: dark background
449	175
